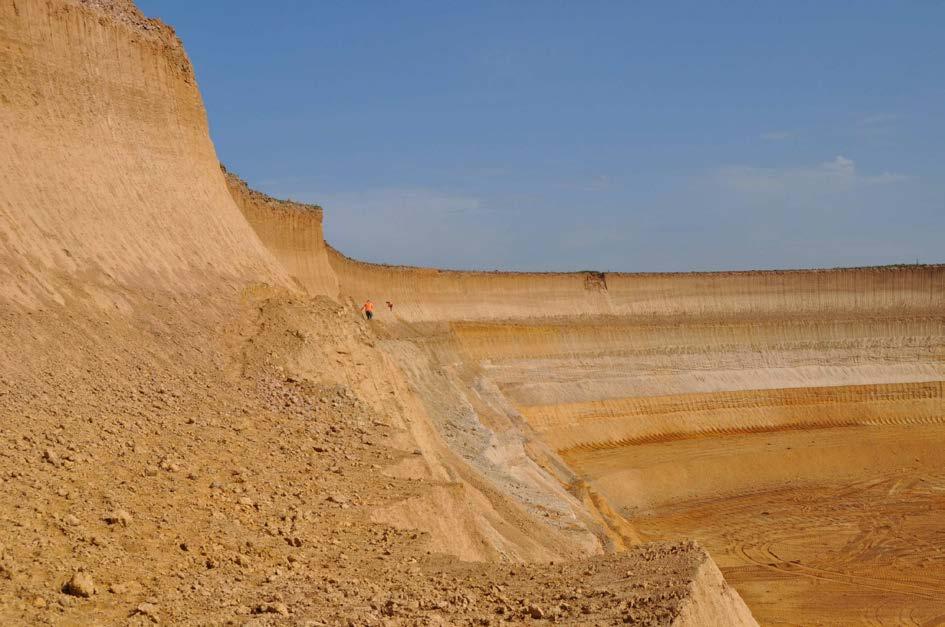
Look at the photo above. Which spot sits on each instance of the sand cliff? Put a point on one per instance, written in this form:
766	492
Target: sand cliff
108	153
668	398
178	346
198	431
677	404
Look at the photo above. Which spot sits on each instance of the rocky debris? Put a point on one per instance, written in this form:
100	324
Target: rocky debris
270	532
119	588
118	517
127	12
52	457
272	608
149	610
70	520
168	465
338	499
81	585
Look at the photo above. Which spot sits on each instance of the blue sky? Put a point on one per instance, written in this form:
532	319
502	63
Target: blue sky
587	135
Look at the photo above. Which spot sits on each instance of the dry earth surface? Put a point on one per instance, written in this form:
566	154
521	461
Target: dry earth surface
802	449
199	429
195	485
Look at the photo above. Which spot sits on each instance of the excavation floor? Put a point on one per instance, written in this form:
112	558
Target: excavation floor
820	527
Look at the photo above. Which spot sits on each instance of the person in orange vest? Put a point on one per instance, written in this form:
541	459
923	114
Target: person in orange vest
368	309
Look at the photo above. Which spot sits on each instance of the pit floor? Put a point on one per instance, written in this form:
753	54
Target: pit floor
812	527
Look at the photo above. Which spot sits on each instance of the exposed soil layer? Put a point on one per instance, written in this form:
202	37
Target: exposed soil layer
801	447
197	477
202	430
198	432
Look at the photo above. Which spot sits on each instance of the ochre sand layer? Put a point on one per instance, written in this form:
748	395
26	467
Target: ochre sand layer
789	420
792	422
197	432
182	349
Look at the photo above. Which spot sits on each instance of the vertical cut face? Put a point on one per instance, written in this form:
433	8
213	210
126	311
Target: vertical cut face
108	178
793	425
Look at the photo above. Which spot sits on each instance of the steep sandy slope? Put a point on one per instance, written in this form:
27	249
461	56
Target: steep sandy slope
710	405
292	231
108	174
461	517
193	439
113	200
430	295
661	401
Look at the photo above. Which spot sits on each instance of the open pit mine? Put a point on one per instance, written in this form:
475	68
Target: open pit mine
198	426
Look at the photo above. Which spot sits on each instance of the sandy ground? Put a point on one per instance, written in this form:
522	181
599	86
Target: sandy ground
201	430
803	451
191	472
826	527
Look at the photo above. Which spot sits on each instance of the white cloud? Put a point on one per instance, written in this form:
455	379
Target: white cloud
840	165
887	178
838	174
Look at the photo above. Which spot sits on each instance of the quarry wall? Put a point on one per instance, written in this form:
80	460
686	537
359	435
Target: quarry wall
590	358
292	232
115	214
111	197
108	172
524	373
425	294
